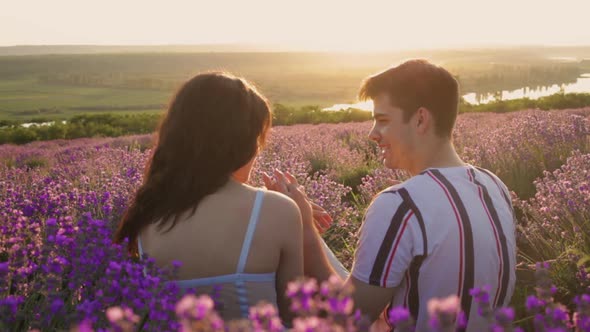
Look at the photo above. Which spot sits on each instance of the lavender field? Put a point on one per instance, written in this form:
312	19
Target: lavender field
61	200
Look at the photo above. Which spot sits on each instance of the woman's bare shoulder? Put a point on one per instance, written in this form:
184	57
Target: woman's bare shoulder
280	205
280	202
282	218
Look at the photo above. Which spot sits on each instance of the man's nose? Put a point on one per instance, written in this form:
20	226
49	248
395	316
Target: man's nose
373	135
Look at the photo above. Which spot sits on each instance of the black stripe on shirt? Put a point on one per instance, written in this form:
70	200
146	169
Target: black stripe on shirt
414	269
406	197
503	245
413	296
504	194
386	245
468	249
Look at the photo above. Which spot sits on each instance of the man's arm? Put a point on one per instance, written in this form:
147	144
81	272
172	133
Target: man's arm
315	262
369	297
371	300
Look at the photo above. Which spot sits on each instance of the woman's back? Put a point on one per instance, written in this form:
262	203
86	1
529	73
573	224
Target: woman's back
238	220
205	149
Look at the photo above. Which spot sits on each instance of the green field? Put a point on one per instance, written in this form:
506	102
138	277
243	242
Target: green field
29	98
62	85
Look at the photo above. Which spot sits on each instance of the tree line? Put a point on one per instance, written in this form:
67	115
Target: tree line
480	78
113	124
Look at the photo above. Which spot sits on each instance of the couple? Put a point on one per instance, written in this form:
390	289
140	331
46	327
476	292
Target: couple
444	231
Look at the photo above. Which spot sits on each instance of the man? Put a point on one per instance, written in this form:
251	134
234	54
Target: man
446	230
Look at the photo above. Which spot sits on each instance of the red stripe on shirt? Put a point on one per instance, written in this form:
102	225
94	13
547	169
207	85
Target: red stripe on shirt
460	232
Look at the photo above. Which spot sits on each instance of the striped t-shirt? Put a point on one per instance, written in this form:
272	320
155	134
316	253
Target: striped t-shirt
442	232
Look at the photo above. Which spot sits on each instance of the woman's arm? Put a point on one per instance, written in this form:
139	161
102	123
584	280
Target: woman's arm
290	231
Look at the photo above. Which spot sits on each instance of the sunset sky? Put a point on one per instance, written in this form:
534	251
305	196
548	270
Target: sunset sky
311	24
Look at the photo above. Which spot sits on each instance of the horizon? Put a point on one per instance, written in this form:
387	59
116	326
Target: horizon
271	48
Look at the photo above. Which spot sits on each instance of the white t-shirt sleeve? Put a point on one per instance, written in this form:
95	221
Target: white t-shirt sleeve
386	242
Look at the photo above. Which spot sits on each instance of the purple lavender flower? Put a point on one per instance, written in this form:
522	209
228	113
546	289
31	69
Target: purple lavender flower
302	293
336	296
84	326
122	319
310	324
401	319
197	313
443	313
482	298
534	304
264	317
56	220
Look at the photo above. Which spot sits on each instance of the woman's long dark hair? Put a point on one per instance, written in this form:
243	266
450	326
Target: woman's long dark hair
214	126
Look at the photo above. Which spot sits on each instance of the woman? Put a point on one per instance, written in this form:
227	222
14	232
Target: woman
194	205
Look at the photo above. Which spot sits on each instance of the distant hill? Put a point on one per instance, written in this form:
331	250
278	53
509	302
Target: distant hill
94	49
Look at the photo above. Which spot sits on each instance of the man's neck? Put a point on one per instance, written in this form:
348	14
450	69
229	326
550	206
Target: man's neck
440	156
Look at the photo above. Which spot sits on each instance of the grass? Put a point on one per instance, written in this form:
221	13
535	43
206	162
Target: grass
26	98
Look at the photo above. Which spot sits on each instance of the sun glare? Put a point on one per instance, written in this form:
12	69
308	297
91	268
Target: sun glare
327	25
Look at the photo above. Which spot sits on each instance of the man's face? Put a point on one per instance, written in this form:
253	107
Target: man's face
395	138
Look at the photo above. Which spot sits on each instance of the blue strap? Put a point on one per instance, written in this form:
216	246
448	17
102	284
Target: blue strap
226	279
140	249
242	298
250	232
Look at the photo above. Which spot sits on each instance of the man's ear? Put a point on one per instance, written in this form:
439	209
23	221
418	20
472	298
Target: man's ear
423	120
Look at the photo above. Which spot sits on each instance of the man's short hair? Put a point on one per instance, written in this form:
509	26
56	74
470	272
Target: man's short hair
414	84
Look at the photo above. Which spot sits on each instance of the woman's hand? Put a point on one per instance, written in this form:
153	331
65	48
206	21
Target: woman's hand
286	184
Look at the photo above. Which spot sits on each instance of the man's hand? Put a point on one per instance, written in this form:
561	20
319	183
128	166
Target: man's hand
321	218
